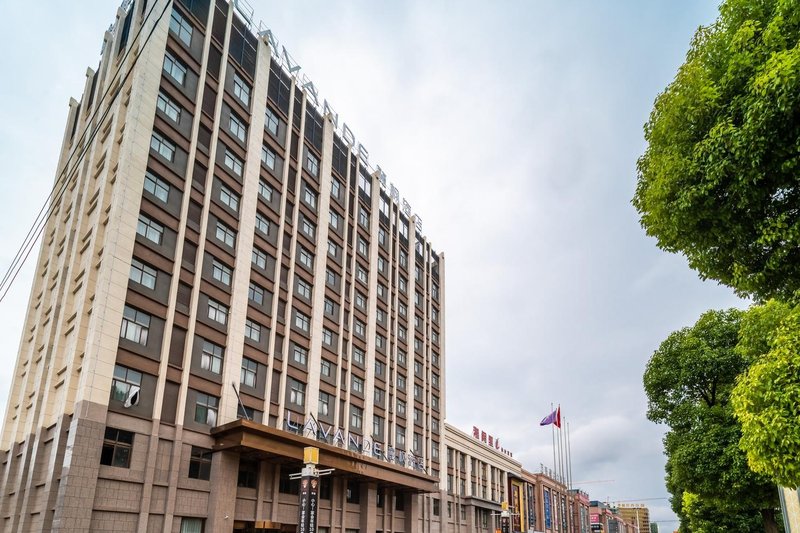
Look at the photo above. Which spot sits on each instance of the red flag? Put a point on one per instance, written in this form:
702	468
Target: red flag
557	421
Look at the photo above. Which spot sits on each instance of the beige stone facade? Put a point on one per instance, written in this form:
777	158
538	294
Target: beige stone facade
223	262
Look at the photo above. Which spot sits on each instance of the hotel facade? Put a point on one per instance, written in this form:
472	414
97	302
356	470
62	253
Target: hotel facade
224	280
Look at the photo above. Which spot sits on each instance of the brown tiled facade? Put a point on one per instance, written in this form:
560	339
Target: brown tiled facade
223	267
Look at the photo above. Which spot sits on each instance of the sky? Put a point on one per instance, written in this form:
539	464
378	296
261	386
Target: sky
513	129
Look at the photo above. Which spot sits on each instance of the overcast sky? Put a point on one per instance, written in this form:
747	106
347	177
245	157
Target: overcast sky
513	129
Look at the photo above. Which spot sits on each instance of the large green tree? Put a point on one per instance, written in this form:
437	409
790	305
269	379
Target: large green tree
688	382
767	397
718	181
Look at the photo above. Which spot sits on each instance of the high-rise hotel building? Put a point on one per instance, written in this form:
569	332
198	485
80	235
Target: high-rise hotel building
223	281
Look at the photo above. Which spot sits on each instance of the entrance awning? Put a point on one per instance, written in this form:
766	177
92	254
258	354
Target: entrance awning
245	436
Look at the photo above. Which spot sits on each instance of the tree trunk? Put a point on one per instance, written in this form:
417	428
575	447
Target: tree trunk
768	516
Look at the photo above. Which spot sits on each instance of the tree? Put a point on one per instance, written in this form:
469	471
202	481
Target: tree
688	382
704	518
718	181
766	401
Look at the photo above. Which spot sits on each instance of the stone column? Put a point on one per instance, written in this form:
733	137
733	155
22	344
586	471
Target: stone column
222	500
369	506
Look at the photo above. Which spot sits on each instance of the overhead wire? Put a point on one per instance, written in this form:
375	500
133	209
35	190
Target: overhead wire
67	174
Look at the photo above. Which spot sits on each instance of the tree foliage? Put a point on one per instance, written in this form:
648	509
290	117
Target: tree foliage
767	402
688	382
718	181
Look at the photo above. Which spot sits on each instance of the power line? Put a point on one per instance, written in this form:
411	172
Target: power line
50	203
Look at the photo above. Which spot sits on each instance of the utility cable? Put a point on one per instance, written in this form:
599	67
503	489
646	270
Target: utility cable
39	223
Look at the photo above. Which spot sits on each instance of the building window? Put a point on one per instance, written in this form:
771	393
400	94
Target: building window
327	337
417	367
326	368
381	264
248	474
300	355
382	236
434	449
200	463
335	220
143	274
162	146
365	184
135	325
435	358
249	371
268	157
380	367
330	307
309	229
417	392
356	417
211	357
167	106
363	247
205	409
333	249
377	426
384	206
435	402
237	128
156	186
324	403
126	385
229	198
303	288
265	191
403	259
336	188
150	229
192	525
353	495
361	274
358	384
363	218
404	229
401	357
262	223
233	163
217	312
435	506
401	407
256	294
252	330
297	392
259	258
359	328
401	382
225	234
435	379
310	198
361	301
400	437
117	448
306	258
381	291
434	315
402	284
301	321
271	122
241	89
174	68
181	28
312	164
221	272
402	333
380	394
358	356
417	415
380	341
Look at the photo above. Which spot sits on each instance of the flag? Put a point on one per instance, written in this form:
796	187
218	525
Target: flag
553	418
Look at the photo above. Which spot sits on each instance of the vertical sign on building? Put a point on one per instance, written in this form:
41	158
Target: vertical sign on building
531	508
548	523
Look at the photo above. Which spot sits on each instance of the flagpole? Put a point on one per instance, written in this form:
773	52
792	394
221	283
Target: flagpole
569	455
560	456
553	433
561	445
